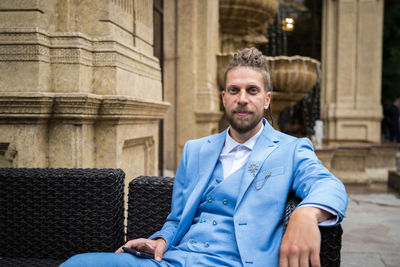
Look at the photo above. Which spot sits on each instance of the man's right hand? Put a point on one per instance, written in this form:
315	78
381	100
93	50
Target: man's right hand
156	247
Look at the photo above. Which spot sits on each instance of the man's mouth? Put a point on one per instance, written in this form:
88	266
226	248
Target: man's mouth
242	113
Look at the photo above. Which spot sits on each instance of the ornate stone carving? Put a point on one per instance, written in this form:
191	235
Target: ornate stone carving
77	106
75	48
24	53
129	108
74	56
24	106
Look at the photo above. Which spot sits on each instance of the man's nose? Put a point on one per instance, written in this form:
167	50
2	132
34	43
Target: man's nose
242	97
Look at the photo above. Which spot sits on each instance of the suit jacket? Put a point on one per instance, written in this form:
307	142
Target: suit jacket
287	163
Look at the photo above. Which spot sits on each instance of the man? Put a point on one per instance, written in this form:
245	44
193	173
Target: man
230	190
391	119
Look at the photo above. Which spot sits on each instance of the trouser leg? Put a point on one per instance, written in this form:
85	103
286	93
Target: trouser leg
101	259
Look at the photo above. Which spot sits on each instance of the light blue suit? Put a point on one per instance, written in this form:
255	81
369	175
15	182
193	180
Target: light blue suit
287	163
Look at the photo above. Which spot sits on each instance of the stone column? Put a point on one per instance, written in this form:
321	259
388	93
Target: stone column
351	70
79	85
191	44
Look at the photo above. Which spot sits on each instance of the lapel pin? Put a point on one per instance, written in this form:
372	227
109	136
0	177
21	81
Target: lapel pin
253	168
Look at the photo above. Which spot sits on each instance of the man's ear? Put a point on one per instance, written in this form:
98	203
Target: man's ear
223	97
267	100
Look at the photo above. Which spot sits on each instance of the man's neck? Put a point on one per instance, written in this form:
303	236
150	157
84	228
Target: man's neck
243	137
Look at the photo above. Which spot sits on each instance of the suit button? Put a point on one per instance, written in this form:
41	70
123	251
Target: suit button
206	244
225	202
214	222
210	199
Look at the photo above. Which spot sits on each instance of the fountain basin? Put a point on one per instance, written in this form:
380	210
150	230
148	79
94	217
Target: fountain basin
294	74
243	23
242	17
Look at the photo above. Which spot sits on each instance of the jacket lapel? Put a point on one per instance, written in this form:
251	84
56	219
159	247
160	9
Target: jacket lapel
208	156
266	143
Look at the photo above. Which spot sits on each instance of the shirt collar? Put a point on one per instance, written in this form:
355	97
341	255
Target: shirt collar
230	144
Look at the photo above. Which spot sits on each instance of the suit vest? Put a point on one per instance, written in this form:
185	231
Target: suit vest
211	240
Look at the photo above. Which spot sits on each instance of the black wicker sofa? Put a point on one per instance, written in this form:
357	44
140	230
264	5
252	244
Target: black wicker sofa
48	215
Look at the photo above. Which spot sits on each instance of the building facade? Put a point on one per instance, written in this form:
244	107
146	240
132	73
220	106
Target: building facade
87	83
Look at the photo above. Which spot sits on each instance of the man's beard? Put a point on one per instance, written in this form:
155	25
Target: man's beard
243	127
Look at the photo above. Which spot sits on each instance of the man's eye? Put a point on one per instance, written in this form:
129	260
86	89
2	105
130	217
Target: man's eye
252	90
232	90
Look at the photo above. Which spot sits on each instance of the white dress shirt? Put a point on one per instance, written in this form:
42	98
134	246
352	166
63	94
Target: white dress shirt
234	155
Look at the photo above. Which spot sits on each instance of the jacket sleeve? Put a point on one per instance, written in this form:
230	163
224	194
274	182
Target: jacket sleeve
313	183
170	226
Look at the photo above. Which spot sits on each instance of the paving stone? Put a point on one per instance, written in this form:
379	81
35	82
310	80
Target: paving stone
372	228
359	259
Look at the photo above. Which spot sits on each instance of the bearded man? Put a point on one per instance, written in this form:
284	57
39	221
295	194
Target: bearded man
231	188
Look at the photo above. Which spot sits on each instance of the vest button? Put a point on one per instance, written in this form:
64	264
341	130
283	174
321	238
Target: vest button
210	199
214	222
225	201
206	244
192	241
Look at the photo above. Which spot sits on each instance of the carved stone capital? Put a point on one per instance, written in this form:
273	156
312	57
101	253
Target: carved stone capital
128	108
16	107
76	106
32	107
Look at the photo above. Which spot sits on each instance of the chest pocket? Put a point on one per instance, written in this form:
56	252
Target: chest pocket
265	175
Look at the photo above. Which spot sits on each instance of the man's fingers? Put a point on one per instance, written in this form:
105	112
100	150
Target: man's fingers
304	260
135	243
294	256
148	246
283	261
159	249
314	259
283	257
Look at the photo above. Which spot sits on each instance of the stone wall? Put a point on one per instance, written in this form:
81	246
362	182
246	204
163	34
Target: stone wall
79	85
360	163
351	70
191	43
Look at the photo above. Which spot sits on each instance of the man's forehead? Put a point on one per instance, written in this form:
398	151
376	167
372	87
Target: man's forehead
244	75
245	72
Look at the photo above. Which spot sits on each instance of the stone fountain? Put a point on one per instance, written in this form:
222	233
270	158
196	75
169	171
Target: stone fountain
292	79
244	22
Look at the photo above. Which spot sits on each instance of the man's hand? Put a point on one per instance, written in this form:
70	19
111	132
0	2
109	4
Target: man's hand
302	239
156	247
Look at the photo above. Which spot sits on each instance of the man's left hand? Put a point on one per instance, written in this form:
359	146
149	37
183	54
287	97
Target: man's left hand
302	240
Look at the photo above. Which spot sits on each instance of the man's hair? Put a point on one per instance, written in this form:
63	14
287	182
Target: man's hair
252	58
